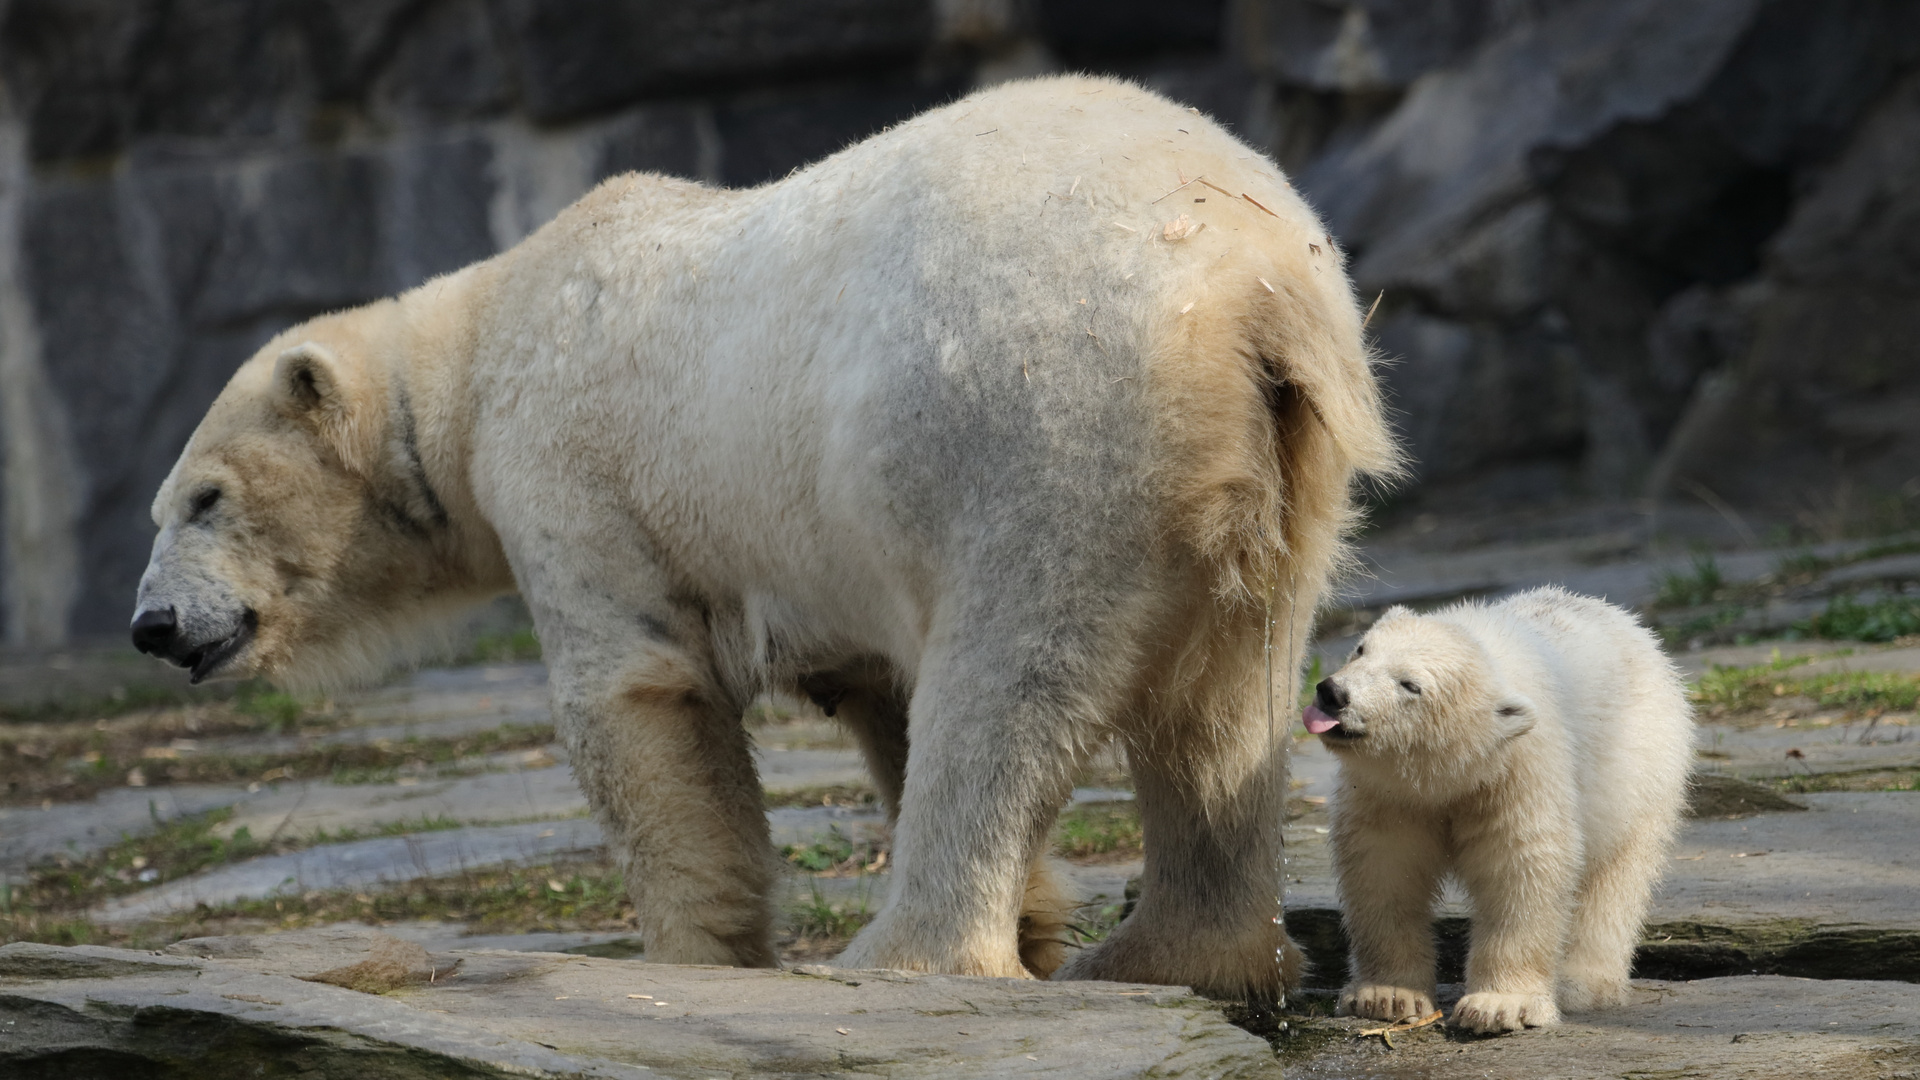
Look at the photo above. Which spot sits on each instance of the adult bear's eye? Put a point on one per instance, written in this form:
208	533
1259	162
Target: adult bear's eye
1360	650
202	502
1410	687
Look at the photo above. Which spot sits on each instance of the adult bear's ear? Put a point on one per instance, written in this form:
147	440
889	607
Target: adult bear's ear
1514	716
310	384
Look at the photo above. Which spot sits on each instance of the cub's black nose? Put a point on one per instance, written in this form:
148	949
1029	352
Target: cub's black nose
154	631
1330	696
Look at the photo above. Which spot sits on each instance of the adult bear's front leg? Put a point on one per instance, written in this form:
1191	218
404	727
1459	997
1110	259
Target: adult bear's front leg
660	751
988	768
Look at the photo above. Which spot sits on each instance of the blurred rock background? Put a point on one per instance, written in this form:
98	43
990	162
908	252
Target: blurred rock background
1631	253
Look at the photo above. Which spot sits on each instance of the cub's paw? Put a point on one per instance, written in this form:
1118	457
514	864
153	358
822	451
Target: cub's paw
1487	1014
1377	1001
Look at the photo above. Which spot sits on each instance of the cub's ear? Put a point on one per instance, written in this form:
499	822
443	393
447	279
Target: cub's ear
1397	611
1514	716
311	384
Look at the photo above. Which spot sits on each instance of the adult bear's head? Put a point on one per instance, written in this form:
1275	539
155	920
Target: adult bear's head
301	536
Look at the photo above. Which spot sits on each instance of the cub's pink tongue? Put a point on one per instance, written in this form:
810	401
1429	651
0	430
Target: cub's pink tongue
1319	723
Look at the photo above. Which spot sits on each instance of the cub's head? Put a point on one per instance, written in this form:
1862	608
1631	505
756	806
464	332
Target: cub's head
1417	687
298	532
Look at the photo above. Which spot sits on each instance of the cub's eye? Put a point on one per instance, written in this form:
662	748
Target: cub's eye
1360	650
1409	686
202	502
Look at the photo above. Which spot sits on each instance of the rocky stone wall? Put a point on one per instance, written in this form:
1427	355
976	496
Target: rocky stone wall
1624	245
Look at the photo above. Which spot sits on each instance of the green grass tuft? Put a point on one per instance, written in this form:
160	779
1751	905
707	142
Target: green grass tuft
1729	690
508	647
1691	589
818	919
1848	620
1099	830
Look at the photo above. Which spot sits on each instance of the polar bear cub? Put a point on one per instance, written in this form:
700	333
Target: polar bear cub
1538	750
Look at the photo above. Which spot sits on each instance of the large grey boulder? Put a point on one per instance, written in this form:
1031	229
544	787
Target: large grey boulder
1556	212
1825	392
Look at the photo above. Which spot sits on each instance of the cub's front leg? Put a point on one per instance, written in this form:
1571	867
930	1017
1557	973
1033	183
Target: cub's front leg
1389	866
1520	867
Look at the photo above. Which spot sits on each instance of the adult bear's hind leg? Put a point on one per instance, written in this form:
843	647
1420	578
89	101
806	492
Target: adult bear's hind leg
995	719
865	697
1211	783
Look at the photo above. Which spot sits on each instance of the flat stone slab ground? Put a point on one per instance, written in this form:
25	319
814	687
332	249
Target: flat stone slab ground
213	1005
363	1004
1757	1027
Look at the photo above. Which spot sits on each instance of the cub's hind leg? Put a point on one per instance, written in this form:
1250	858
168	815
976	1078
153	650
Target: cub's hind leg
1611	908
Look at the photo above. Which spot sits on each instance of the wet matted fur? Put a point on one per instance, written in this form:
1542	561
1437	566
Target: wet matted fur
1016	429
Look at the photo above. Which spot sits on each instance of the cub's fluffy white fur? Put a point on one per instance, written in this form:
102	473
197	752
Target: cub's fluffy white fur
1001	434
1538	749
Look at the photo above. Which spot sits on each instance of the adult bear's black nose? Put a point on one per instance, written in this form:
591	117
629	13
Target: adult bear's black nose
154	631
1330	696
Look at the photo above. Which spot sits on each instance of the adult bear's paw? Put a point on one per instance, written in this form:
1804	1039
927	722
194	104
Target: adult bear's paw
905	944
1488	1013
1379	1001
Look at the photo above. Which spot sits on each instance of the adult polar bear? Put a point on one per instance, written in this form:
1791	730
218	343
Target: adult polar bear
999	433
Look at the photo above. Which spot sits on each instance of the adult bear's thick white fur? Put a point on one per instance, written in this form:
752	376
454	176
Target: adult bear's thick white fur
1537	748
998	433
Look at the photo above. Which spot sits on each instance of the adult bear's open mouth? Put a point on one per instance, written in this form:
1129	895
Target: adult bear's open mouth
208	658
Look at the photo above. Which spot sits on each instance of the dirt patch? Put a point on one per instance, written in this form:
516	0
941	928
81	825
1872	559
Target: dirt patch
1711	795
56	763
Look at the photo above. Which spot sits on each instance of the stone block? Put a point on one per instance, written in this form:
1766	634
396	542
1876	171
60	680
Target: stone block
299	232
150	287
1861	220
765	138
1457	148
1374	44
448	64
92	76
586	57
654	138
67	65
1225	91
436	212
1090	33
1475	396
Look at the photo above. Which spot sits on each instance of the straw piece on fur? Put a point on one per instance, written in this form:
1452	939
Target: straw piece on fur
1183	183
1266	284
1257	202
